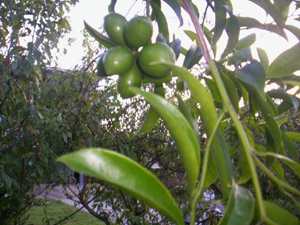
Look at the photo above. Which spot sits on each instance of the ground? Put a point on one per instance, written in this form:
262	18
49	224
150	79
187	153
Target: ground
49	212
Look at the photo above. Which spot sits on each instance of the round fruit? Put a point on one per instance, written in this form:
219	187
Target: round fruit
133	78
138	32
100	67
118	60
114	25
156	53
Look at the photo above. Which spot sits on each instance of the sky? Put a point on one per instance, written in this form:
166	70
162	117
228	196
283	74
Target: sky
93	12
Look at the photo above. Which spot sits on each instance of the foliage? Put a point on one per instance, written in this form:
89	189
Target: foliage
247	152
43	116
32	28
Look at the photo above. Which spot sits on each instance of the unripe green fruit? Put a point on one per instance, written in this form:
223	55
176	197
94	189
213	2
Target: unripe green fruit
133	78
138	32
100	67
118	60
156	53
114	26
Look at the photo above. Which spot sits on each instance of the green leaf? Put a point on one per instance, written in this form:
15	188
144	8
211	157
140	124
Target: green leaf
293	165
249	22
293	136
263	58
240	207
192	35
286	63
240	56
246	42
186	110
273	130
103	40
161	20
294	30
253	75
233	33
175	5
152	116
176	46
220	20
245	173
280	215
232	90
185	137
271	10
291	80
192	57
283	7
209	116
150	121
125	174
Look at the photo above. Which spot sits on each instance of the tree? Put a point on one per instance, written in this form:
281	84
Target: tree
249	153
29	30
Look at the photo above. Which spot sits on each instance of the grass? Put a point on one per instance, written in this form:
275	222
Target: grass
50	212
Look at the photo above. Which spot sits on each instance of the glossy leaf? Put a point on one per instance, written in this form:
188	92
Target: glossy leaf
209	116
246	42
185	137
192	57
286	63
240	207
280	215
253	75
126	174
263	58
103	40
233	33
161	20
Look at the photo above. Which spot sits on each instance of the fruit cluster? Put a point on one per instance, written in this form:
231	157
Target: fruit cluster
134	58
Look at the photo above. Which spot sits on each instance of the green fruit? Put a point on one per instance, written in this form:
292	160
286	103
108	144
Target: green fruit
118	60
100	67
133	78
114	25
138	32
156	53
